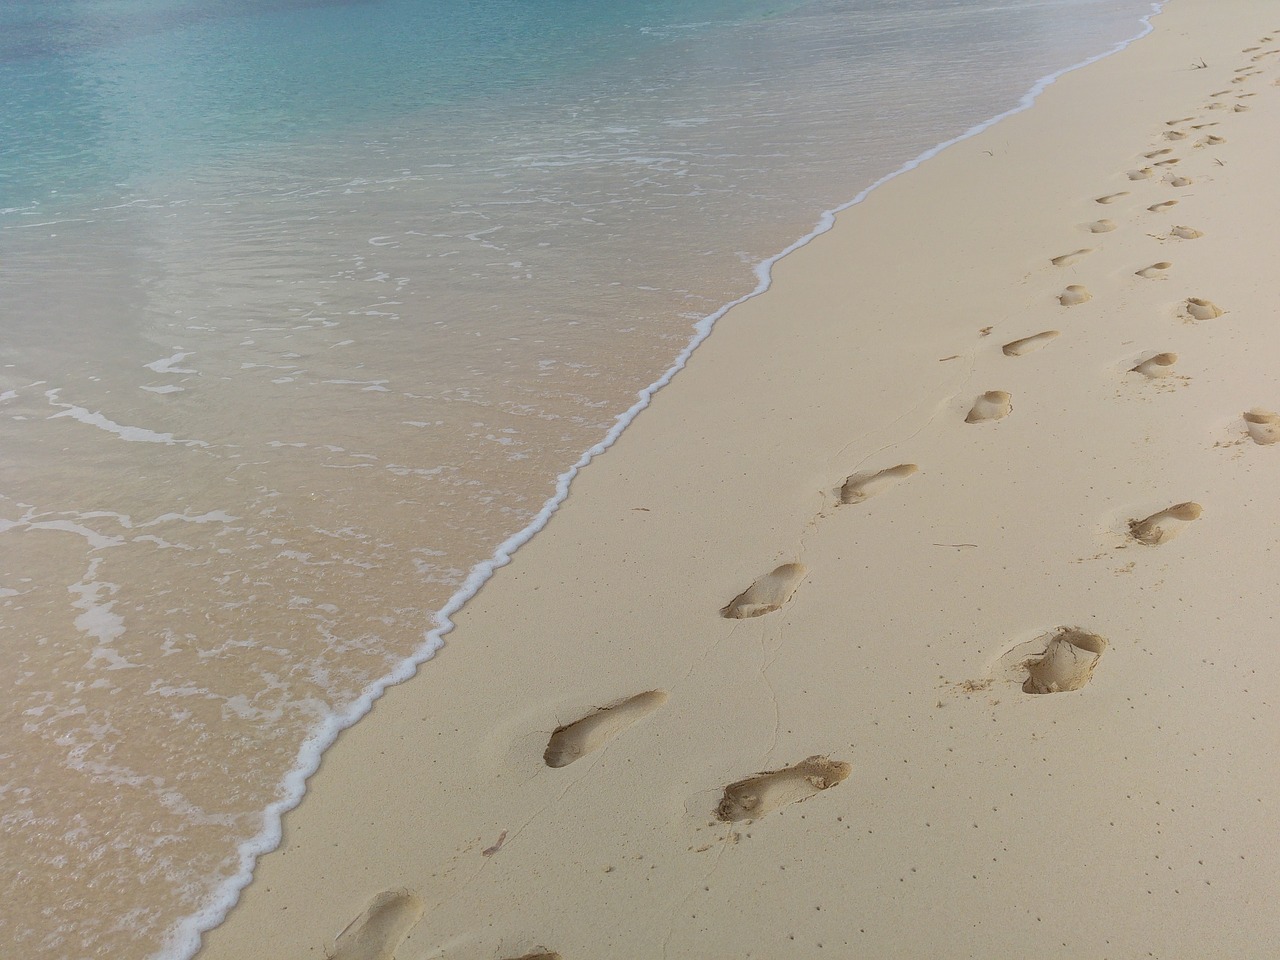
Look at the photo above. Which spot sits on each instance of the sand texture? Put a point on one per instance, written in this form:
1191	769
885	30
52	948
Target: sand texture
930	613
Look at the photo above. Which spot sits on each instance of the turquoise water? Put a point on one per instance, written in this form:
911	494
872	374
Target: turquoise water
306	310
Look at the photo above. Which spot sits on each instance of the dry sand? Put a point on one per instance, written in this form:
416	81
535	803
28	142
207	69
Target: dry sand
823	581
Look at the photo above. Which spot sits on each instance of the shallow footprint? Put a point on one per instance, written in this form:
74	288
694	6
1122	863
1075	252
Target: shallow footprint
1263	426
1018	348
1186	233
1073	295
1067	664
1143	174
1158	207
1157	153
1154	271
1179	181
538	955
1213	140
1174	135
860	486
1161	365
1201	309
1069	258
1102	226
577	739
1112	197
992	405
767	594
376	933
1164	526
765	792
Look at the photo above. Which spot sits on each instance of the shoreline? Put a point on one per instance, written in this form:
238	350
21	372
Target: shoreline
687	502
313	750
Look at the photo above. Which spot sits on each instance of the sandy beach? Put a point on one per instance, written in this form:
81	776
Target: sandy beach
935	601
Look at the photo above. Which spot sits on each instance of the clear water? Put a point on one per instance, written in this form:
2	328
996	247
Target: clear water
304	308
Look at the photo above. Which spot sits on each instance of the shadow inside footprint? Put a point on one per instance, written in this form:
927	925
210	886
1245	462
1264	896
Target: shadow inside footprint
992	405
765	792
1263	426
1067	663
1069	258
767	594
1161	365
1201	309
538	955
1102	226
1074	295
1164	526
861	486
376	933
1019	348
574	740
1153	271
1186	233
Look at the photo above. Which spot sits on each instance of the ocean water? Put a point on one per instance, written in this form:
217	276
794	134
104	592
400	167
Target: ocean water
308	308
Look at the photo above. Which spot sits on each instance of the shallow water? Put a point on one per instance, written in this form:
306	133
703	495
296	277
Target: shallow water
306	305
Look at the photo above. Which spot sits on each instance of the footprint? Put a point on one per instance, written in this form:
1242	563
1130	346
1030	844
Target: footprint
1263	426
767	594
1142	174
1186	233
1111	197
1102	226
1069	258
861	486
1218	93
992	405
1201	126
1067	663
756	796
1203	309
376	933
1161	365
1018	348
1164	526
1158	207
1073	295
1157	153
540	954
1174	123
1174	135
1239	108
1179	181
1213	140
577	739
1154	271
1171	162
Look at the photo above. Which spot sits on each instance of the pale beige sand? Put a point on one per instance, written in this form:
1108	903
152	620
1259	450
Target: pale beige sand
934	787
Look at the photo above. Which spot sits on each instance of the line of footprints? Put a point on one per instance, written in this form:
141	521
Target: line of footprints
1060	661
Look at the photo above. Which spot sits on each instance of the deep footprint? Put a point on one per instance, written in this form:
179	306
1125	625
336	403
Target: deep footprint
1161	365
379	931
575	740
1186	233
861	486
1154	271
1200	309
992	405
1019	348
1263	426
1164	526
1067	663
1158	207
1112	197
767	594
1074	295
765	792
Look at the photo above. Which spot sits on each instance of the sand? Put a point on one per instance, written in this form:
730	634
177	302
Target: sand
929	613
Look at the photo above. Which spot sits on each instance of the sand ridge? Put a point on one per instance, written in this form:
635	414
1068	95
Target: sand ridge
940	534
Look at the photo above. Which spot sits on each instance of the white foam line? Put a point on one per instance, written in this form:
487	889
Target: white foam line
185	939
